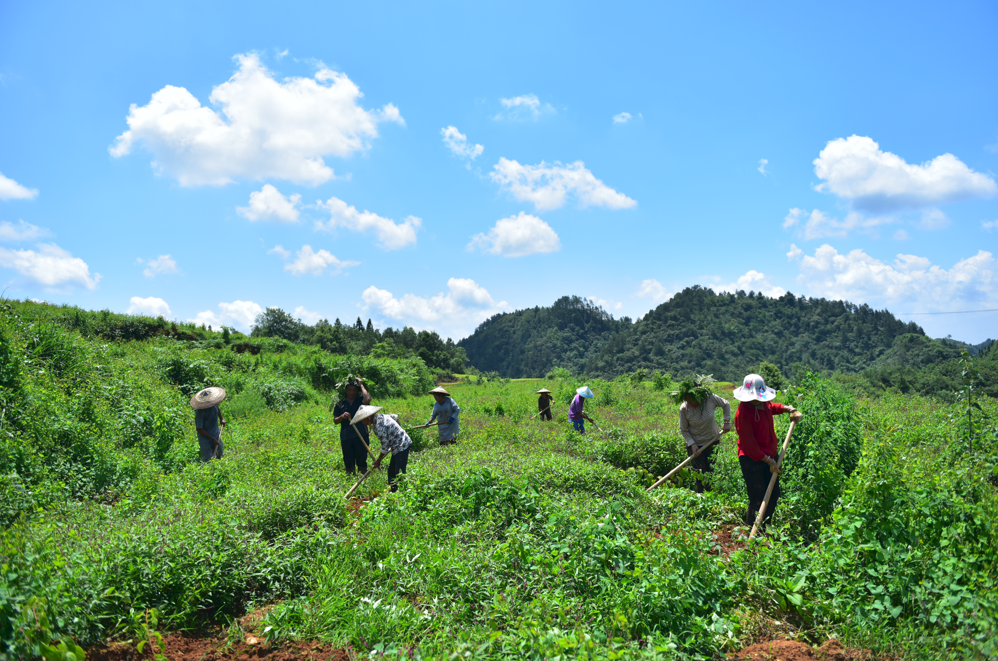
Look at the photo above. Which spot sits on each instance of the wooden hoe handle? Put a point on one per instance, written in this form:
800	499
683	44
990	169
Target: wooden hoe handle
772	482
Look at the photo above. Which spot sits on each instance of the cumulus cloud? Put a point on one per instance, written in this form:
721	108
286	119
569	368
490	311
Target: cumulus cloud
856	276
263	128
280	251
856	170
547	187
152	306
794	252
606	303
315	263
464	305
11	190
457	142
989	225
934	219
21	232
50	266
754	281
239	314
307	316
763	162
391	235
622	118
268	204
654	290
818	225
160	265
526	107
517	236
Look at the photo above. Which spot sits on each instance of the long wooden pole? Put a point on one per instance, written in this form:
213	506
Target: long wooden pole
539	412
684	463
772	483
361	437
362	478
431	424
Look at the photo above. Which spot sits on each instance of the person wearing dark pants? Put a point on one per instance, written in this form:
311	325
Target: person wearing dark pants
208	422
393	439
544	404
757	443
698	424
354	452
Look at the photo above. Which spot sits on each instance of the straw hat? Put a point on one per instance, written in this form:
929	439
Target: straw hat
439	391
584	391
207	398
754	388
543	390
365	411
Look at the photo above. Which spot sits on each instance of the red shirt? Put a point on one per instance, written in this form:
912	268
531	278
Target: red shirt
756	434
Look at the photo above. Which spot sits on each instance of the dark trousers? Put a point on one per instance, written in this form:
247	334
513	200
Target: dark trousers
757	475
546	415
354	454
397	465
704	463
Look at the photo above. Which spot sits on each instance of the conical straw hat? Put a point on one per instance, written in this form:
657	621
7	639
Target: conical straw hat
439	391
207	398
365	411
542	391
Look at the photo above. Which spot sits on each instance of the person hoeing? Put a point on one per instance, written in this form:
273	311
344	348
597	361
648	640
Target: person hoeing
698	425
575	413
393	440
209	422
447	411
757	443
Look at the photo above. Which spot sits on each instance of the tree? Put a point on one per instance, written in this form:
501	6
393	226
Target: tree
275	322
771	374
370	326
359	325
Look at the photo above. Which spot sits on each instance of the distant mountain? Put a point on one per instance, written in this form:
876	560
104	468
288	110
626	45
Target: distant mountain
531	342
973	349
698	331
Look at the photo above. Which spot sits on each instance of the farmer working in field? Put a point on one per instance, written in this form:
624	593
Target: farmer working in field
544	403
575	413
697	423
209	422
757	443
354	452
447	411
393	439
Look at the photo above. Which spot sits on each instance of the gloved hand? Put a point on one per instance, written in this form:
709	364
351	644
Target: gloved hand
773	466
796	416
450	420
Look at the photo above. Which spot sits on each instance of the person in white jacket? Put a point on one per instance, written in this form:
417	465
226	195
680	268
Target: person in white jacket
698	425
446	411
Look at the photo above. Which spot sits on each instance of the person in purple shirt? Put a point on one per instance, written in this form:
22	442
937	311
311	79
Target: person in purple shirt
575	413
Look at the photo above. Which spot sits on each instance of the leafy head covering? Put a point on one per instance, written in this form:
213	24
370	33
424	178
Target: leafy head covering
697	387
348	380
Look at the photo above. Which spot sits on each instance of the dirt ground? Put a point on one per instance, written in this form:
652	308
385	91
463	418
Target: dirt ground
181	647
791	650
727	540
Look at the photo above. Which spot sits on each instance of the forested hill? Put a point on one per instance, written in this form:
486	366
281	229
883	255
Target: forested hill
726	335
533	341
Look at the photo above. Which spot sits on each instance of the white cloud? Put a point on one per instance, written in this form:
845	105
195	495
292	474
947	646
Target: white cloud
517	236
264	128
391	235
933	219
901	235
11	190
465	305
154	267
654	290
314	263
457	142
794	252
754	281
51	266
268	204
856	276
763	162
989	225
819	225
21	232
548	186
855	169
280	251
622	118
606	303
152	306
307	316
524	107
240	314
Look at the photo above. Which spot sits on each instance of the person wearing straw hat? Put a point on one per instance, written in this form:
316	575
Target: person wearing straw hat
697	423
544	404
393	440
575	413
447	411
757	443
209	422
354	452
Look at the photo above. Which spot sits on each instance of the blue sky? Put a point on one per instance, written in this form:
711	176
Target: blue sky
433	165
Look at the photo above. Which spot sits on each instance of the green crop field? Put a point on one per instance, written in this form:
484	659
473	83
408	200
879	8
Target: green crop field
524	540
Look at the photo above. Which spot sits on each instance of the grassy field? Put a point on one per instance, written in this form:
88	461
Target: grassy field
525	540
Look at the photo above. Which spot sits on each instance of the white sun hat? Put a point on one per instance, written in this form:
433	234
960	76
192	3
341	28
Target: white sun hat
364	411
754	389
584	391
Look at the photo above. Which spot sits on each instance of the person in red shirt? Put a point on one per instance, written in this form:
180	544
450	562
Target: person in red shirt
757	443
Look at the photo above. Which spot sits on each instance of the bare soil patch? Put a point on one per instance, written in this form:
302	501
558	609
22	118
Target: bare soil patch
182	647
726	541
791	650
